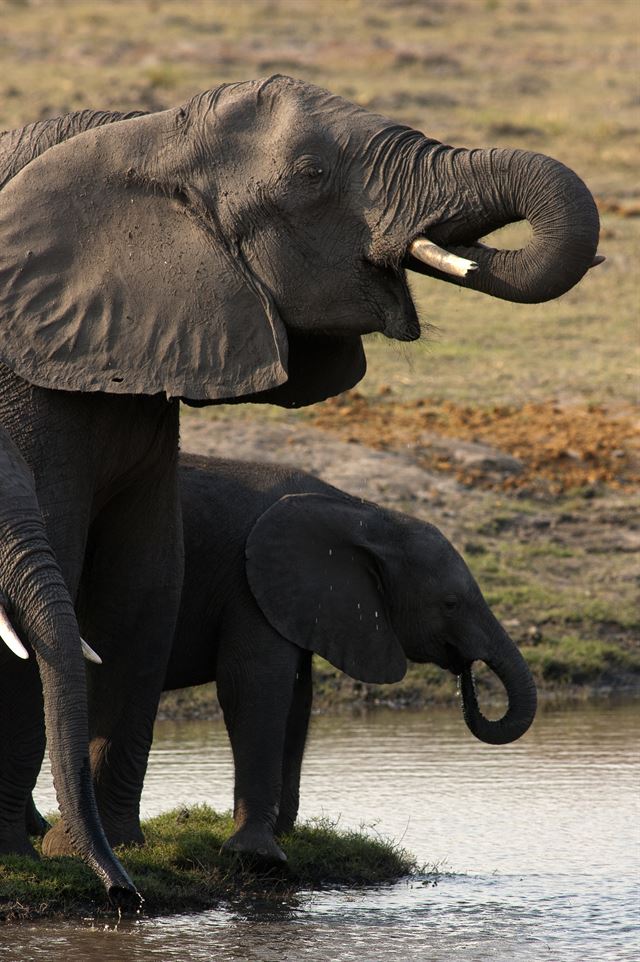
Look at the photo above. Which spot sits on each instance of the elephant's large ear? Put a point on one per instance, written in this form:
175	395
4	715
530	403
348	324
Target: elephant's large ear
113	280
314	568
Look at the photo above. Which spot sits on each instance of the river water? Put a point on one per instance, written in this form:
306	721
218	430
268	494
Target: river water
538	843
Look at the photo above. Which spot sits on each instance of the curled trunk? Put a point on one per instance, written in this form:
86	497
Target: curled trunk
470	193
513	672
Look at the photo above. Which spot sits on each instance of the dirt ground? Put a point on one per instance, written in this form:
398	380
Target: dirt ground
541	448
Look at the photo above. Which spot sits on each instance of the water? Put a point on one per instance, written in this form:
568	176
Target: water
539	840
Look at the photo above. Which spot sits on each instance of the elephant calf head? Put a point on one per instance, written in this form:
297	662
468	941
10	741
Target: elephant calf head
368	588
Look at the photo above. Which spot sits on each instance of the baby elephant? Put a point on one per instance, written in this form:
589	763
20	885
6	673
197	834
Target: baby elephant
280	565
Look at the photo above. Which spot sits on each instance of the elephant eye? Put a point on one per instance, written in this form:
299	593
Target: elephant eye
310	168
450	602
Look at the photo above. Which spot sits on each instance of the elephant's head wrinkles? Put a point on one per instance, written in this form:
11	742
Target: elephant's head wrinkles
237	247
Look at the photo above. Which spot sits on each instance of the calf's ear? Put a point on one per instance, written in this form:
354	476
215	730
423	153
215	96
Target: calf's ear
315	571
115	276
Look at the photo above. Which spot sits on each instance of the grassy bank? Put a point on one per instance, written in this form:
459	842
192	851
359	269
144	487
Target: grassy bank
180	868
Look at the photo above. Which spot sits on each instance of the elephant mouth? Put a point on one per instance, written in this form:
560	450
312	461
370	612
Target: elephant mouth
390	295
455	663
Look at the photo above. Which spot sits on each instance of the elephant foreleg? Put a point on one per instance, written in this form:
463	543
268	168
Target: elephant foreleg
128	604
296	737
256	677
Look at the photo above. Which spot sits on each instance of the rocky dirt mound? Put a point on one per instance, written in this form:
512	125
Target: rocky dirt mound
537	448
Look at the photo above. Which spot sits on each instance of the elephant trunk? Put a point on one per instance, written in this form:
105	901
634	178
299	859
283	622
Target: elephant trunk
470	193
42	608
513	671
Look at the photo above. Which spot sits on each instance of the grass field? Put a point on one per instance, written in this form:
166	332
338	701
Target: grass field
561	78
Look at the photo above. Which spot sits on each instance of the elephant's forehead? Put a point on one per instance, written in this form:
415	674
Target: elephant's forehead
299	107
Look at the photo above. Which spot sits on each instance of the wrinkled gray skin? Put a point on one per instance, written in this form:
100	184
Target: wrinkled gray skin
234	248
41	612
279	564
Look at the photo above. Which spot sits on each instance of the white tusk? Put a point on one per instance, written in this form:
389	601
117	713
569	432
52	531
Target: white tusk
9	636
433	256
598	259
89	653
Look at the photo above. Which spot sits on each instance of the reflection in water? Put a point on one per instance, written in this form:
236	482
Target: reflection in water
539	839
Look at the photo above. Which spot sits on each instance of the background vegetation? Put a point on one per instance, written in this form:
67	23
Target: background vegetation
556	556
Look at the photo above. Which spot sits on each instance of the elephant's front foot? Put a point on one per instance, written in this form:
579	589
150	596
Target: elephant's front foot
257	842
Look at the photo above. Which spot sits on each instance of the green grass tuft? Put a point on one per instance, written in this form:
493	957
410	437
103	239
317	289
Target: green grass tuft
180	868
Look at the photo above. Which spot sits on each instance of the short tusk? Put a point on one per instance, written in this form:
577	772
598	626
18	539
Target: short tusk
433	256
89	653
598	259
9	636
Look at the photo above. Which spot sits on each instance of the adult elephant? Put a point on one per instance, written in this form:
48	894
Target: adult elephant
35	606
279	565
232	249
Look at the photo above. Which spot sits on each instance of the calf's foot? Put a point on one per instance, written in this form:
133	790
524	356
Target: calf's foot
256	841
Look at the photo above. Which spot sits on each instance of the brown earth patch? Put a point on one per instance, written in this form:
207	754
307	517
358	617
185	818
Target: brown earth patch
553	449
